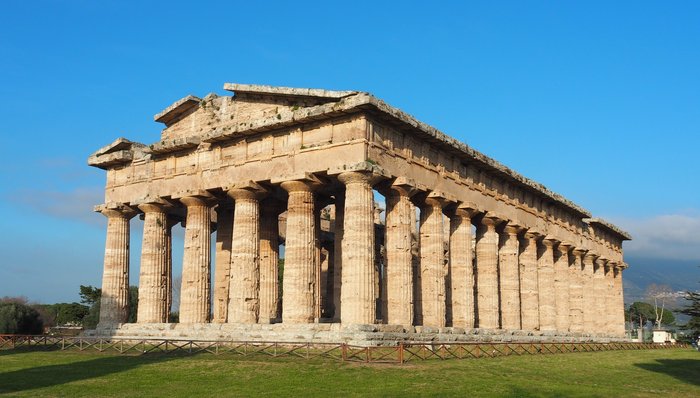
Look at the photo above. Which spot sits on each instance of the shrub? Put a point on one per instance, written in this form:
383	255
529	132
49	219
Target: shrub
18	318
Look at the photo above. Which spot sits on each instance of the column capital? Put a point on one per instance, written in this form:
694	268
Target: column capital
116	210
310	183
194	201
466	210
152	208
564	247
577	251
246	190
601	261
490	221
590	256
531	234
512	228
549	241
403	186
359	177
437	199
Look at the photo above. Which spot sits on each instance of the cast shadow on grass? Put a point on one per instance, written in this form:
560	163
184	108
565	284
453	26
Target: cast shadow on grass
685	370
54	375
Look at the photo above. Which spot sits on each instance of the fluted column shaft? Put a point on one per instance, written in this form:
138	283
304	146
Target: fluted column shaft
399	260
269	262
589	310
545	275
610	300
299	279
432	263
224	239
153	276
358	294
576	302
529	287
509	278
599	282
195	292
114	305
561	287
244	302
487	273
338	254
461	269
619	303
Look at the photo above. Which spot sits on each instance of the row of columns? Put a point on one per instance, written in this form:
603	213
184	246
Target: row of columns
516	279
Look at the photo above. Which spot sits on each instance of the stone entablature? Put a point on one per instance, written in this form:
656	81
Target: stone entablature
307	147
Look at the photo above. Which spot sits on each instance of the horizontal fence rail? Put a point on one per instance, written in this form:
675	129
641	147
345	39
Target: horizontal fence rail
399	354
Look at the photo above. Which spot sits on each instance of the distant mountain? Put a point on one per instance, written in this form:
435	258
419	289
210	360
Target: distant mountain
681	275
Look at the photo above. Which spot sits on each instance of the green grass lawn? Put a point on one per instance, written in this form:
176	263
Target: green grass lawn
657	373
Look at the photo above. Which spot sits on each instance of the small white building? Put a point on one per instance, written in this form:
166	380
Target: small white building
663	337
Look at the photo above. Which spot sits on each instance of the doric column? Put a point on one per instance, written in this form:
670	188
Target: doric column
432	261
269	261
153	283
610	299
487	272
114	305
508	275
529	290
169	264
600	318
298	282
589	311
338	253
195	292
244	299
619	303
576	302
462	267
545	276
399	260
561	286
224	238
358	294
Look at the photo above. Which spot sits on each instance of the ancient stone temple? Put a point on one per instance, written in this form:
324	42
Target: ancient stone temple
466	247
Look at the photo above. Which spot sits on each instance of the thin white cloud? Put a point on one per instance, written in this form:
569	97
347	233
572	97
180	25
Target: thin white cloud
74	205
673	236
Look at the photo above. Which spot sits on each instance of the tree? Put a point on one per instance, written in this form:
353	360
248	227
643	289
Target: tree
19	318
641	313
659	295
692	309
89	294
63	313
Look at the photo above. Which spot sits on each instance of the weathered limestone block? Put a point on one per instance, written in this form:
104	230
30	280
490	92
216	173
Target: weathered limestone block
358	294
399	265
487	273
195	292
153	284
432	262
600	319
589	310
509	278
338	254
562	286
299	279
244	301
114	305
576	302
545	275
462	267
269	261
529	290
224	239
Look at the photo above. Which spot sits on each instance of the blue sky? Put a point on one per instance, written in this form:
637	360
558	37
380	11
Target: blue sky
599	101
